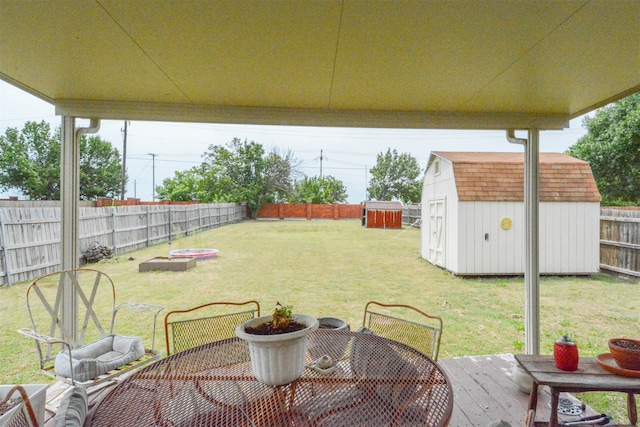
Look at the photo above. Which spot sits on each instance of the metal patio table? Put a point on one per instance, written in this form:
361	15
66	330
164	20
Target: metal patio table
375	381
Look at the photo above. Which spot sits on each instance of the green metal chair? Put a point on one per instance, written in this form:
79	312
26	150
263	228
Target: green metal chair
405	324
185	329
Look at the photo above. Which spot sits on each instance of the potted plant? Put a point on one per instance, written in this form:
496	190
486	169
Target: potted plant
626	352
278	344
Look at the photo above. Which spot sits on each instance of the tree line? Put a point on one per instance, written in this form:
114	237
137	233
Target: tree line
240	172
612	148
244	172
30	163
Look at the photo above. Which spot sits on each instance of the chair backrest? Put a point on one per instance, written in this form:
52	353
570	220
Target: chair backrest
92	293
185	329
405	324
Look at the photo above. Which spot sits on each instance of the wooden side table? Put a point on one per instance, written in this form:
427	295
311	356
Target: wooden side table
589	377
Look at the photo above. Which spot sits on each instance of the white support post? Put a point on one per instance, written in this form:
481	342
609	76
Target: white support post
70	213
69	196
532	251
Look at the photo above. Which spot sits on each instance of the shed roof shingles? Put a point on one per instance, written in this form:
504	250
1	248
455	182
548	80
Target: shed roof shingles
500	177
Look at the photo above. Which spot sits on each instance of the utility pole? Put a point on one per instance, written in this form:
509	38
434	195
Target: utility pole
366	183
124	159
321	158
153	179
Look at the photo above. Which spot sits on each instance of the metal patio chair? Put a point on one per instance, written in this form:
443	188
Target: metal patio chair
18	414
405	324
95	352
185	329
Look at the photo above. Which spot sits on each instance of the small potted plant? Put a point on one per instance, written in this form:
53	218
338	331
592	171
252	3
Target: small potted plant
278	344
626	352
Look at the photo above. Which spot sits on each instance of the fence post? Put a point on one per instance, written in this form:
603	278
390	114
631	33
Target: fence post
115	231
281	210
170	224
148	224
187	212
4	249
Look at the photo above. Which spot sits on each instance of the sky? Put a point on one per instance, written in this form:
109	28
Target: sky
156	150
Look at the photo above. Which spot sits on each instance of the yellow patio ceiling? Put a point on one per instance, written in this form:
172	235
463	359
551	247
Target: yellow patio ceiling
487	64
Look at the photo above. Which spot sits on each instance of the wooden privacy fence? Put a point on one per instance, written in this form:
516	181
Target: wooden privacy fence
620	240
309	211
412	215
30	237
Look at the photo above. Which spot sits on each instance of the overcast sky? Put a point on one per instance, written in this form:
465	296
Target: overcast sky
347	153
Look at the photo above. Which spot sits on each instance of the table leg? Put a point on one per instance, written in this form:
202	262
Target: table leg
631	408
533	396
553	418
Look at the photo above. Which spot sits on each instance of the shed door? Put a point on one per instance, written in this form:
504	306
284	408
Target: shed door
436	228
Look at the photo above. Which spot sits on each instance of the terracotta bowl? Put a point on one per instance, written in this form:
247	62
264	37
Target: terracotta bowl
626	352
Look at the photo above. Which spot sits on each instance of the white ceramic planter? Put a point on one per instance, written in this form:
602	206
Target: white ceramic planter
37	396
333	323
278	359
522	379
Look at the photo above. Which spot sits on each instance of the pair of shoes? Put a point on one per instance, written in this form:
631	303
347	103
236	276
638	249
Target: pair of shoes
593	420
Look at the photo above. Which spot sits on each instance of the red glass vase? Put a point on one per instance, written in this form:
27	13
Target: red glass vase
565	354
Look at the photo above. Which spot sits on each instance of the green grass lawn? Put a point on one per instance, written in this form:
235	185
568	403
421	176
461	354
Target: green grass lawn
332	268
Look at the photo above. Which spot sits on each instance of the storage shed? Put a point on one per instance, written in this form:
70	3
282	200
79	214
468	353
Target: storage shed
473	214
380	214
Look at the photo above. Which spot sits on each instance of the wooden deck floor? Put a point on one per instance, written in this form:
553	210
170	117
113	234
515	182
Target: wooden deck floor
482	386
484	392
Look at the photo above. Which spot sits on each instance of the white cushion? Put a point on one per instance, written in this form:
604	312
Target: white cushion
99	357
73	408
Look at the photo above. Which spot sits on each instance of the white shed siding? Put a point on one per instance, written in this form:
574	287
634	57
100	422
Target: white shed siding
569	237
503	252
440	186
474	241
512	240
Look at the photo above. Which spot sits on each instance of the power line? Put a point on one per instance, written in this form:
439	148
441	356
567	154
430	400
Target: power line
334	168
193	162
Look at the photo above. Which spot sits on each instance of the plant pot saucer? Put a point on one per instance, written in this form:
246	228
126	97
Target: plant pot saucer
606	361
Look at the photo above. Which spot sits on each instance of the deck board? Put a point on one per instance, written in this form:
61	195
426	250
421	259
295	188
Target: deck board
482	386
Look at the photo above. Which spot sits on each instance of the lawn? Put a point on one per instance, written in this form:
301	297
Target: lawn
332	268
